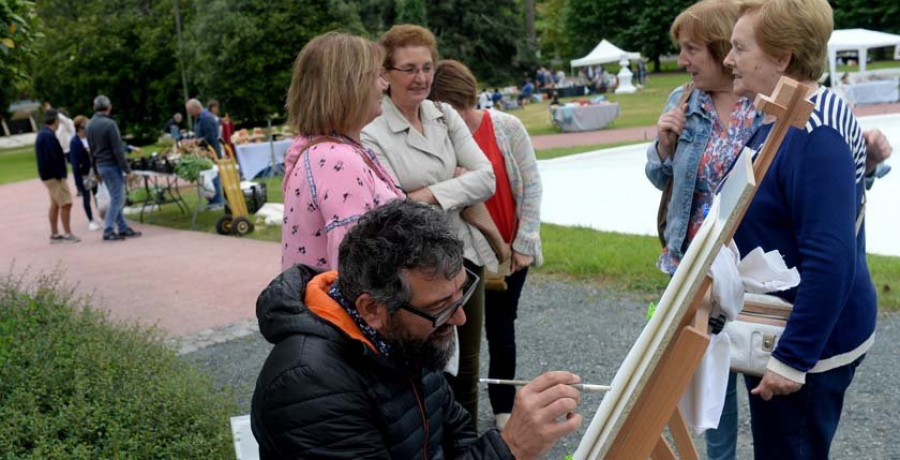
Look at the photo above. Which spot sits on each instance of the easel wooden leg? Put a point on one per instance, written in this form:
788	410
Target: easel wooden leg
682	436
649	416
662	450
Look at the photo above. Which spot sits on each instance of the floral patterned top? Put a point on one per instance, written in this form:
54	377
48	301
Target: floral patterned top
723	147
327	188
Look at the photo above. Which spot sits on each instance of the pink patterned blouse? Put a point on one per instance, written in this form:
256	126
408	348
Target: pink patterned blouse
326	190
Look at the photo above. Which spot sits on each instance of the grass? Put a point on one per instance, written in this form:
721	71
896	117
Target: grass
17	164
639	109
548	154
170	216
628	263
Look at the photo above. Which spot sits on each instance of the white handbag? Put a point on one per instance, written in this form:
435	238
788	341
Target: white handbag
755	332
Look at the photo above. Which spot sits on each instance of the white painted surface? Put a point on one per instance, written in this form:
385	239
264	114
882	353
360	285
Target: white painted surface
607	190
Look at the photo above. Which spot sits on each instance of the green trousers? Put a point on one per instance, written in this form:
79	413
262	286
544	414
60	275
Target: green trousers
465	384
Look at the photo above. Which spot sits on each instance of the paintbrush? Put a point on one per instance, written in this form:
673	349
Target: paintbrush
580	386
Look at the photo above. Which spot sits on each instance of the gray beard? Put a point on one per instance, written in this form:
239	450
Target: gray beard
431	354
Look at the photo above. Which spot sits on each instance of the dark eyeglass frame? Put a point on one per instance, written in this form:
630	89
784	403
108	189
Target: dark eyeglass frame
438	319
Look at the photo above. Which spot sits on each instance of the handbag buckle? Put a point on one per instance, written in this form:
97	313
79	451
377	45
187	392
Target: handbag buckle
768	343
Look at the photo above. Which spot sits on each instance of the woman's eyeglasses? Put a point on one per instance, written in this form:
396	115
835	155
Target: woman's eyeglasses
412	70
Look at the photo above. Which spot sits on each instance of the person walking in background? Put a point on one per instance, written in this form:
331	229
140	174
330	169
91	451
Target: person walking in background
422	144
51	163
330	178
81	170
206	128
108	155
516	210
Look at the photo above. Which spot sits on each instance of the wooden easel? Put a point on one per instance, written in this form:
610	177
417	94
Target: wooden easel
650	401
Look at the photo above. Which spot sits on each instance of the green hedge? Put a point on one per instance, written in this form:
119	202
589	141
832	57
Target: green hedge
75	385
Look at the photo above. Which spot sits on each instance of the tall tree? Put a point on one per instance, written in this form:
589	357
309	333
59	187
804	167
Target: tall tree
486	36
639	25
412	12
17	37
124	49
242	53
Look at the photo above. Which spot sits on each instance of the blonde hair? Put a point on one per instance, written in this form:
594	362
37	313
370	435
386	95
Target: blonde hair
798	28
402	35
710	23
454	84
331	88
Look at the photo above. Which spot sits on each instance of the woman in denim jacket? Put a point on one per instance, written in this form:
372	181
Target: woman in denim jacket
696	144
698	140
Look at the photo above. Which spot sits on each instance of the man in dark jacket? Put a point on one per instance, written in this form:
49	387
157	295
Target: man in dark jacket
356	367
108	155
51	163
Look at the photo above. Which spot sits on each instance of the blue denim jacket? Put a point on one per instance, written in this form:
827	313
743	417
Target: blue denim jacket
691	145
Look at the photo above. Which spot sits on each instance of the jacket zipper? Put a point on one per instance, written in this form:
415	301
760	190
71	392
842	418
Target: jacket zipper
421	404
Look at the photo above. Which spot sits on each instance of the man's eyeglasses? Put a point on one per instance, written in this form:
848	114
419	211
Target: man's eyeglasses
412	70
442	316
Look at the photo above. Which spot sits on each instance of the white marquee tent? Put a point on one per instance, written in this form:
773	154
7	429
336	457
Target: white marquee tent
859	40
604	53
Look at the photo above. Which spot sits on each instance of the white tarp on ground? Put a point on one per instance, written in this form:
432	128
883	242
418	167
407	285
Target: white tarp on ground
607	190
859	40
604	53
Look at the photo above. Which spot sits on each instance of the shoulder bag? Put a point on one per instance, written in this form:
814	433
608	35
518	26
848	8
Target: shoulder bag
755	333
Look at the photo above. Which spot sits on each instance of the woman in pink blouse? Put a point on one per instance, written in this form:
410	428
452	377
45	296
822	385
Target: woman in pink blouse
330	178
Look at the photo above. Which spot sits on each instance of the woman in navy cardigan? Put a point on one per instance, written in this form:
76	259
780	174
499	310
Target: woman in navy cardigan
806	207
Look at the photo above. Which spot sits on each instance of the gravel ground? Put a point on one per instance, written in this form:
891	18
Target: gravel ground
589	331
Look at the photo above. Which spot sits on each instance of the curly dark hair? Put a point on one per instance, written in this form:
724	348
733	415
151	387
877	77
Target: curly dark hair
401	235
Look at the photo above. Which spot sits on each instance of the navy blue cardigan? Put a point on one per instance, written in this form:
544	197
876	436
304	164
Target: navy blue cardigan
806	207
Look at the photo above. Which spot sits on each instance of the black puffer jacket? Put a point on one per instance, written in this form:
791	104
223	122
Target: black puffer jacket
324	393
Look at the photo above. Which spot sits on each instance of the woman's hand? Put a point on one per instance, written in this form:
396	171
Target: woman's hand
773	384
460	170
423	195
668	128
520	261
878	149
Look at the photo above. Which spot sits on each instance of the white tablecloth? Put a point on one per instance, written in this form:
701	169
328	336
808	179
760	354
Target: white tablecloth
875	92
255	158
584	118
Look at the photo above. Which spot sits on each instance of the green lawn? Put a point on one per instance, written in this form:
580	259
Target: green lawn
547	154
17	165
639	109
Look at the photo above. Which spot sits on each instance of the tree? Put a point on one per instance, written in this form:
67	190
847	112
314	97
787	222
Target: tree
17	37
125	49
641	25
486	36
242	53
412	12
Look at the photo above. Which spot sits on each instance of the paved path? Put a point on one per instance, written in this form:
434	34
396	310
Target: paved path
648	133
184	282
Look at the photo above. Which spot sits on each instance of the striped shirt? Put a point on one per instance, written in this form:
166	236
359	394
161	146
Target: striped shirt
830	110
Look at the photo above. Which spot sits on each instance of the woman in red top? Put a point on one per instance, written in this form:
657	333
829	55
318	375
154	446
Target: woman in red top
515	209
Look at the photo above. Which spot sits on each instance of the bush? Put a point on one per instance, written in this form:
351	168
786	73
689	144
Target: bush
75	385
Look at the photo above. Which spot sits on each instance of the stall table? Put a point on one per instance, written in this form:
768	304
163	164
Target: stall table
256	158
163	191
875	92
584	118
